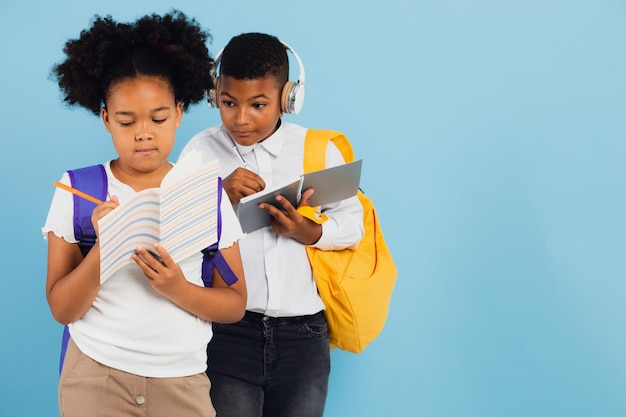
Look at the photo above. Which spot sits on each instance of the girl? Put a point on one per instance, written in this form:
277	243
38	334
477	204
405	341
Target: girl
138	341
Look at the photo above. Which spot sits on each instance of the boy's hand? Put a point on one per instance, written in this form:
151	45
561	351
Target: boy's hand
242	182
163	274
289	223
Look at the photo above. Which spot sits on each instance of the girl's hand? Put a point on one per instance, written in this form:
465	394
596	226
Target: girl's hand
289	223
162	272
102	210
221	303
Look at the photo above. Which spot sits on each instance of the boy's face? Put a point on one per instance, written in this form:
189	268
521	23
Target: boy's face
249	109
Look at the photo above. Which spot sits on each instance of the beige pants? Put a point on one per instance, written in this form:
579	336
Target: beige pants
90	389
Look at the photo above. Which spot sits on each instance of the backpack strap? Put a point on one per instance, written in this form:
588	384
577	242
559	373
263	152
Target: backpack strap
315	145
212	256
91	180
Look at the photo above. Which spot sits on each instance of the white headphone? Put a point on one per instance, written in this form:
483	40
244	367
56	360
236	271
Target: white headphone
292	96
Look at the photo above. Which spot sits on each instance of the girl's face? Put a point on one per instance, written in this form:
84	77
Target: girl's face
249	109
142	116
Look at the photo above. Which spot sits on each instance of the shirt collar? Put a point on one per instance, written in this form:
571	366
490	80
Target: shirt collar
272	144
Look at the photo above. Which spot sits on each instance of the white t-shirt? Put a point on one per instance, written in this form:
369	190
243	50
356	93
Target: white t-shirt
129	325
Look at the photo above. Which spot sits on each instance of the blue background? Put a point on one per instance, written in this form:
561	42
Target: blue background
492	134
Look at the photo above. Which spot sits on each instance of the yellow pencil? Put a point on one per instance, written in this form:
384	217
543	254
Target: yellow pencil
77	192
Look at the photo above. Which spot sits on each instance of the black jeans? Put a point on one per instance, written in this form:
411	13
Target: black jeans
270	367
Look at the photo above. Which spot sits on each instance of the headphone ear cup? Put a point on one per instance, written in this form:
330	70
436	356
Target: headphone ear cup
284	99
214	94
292	97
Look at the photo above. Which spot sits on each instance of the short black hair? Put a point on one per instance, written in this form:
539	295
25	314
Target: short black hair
255	55
172	47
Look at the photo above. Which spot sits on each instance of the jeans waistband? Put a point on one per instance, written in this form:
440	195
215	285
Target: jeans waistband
252	317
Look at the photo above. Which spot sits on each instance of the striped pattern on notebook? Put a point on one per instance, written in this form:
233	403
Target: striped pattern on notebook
181	216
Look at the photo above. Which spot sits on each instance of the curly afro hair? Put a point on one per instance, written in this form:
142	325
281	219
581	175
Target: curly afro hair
172	47
255	55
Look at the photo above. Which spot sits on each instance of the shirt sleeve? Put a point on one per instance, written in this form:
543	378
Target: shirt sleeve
231	229
344	227
60	219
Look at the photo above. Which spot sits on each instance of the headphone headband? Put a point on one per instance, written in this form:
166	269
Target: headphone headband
292	96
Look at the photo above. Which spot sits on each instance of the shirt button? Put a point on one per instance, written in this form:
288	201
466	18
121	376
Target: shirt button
140	400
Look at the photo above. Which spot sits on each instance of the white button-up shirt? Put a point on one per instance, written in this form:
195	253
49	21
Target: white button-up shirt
278	273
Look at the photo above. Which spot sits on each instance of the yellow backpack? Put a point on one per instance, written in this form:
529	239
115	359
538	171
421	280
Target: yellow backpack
355	284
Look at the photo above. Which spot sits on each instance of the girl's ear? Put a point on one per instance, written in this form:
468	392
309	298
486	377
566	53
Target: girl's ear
179	112
105	119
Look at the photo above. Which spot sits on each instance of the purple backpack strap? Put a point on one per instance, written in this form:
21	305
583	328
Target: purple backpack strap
93	181
212	257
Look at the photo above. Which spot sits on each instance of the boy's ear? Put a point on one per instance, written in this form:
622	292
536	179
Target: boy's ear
105	119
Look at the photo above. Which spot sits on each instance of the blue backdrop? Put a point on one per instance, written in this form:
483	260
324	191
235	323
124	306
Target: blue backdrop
492	135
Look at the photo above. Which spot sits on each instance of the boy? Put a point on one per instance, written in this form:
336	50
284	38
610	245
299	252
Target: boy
276	361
